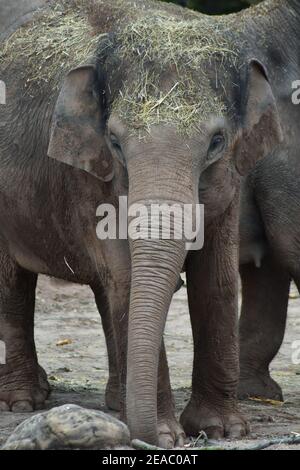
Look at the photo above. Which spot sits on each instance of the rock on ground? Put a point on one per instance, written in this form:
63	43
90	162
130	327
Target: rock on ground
69	427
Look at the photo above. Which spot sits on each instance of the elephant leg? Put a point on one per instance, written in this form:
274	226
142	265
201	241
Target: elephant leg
262	324
112	392
170	432
23	383
212	275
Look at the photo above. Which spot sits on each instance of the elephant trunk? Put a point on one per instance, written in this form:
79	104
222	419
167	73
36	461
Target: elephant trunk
156	265
155	270
164	178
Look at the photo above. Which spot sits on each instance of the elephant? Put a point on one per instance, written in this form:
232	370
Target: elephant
269	216
169	106
269	240
47	220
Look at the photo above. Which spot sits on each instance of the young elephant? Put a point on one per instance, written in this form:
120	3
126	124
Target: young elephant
168	95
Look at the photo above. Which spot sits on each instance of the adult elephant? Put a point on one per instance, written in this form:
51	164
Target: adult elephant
48	225
269	241
170	96
269	222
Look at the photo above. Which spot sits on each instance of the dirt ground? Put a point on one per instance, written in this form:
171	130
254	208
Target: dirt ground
78	370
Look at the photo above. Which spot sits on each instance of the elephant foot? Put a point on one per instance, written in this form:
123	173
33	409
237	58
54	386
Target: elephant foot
260	386
24	392
217	423
112	394
170	433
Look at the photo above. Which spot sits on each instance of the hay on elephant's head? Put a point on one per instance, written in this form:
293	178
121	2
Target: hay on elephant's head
160	43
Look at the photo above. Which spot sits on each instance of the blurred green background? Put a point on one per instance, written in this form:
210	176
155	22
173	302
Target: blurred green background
216	6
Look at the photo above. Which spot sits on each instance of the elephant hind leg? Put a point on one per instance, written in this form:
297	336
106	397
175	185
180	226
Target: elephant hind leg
265	292
23	383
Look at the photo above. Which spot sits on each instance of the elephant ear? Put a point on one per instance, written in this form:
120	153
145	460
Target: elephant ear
78	125
261	128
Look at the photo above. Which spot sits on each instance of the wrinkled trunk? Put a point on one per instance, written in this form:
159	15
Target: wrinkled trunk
156	265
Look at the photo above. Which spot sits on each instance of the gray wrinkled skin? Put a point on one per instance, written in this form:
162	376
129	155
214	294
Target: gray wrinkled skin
69	427
14	14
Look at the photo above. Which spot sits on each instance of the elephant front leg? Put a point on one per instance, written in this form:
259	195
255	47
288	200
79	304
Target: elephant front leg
23	383
212	277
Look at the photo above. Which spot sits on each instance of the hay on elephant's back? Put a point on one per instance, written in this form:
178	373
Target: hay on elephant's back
64	35
54	42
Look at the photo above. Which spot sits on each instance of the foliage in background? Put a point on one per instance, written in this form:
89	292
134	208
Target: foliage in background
216	6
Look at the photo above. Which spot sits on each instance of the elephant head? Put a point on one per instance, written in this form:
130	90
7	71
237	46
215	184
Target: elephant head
157	108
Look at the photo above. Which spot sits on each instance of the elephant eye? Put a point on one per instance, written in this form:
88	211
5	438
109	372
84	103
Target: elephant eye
114	142
117	148
217	144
